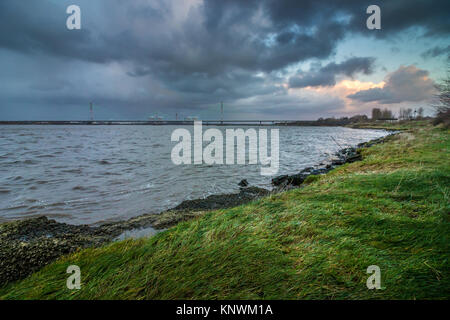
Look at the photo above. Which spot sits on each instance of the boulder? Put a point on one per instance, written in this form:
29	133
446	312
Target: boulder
353	157
243	183
297	179
337	161
280	180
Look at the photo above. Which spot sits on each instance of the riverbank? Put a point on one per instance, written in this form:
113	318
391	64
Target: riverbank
390	209
28	245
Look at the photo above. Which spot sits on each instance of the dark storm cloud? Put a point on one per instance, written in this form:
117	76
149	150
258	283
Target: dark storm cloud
397	15
326	76
214	50
437	51
218	35
39	27
405	84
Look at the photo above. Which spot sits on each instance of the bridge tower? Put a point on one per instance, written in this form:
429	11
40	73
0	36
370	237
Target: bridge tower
91	111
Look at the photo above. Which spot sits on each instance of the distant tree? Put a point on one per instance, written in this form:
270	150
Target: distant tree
443	108
359	118
408	114
420	113
376	113
405	114
386	114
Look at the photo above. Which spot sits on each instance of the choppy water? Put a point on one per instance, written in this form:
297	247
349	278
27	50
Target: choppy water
91	174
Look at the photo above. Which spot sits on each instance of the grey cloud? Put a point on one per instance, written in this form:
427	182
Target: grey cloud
437	51
211	52
284	106
326	76
399	15
216	36
405	84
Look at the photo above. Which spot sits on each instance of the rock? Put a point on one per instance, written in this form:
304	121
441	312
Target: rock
318	171
280	180
222	201
28	245
308	169
294	180
337	161
297	179
353	157
243	183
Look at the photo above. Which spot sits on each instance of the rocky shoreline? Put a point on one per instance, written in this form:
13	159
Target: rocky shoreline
28	245
343	156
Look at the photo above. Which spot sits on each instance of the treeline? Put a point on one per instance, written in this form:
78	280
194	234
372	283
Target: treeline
330	121
378	114
404	114
342	121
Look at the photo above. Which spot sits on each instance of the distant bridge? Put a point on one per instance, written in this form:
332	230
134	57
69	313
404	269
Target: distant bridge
165	122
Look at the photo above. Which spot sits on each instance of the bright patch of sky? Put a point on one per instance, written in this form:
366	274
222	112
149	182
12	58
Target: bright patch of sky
405	49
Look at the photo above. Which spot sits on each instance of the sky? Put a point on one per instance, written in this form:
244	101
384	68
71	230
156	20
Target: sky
264	59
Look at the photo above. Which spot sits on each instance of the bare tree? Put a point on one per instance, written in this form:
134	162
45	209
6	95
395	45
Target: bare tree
386	114
443	108
401	114
420	113
405	114
408	114
376	113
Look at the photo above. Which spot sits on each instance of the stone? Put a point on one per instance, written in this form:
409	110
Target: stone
243	183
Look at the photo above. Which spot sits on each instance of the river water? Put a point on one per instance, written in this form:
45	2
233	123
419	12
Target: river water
93	174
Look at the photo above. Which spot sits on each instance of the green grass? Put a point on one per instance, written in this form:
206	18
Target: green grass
398	125
391	210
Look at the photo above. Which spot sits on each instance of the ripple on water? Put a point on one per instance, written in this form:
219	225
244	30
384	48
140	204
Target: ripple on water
30	161
45	156
75	170
109	175
81	188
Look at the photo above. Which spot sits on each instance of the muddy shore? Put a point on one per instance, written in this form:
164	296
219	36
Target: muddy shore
28	245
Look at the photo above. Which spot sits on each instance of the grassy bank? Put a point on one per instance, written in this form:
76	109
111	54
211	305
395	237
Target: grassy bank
398	125
391	210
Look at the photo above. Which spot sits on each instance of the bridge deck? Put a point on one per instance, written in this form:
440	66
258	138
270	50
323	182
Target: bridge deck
155	122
